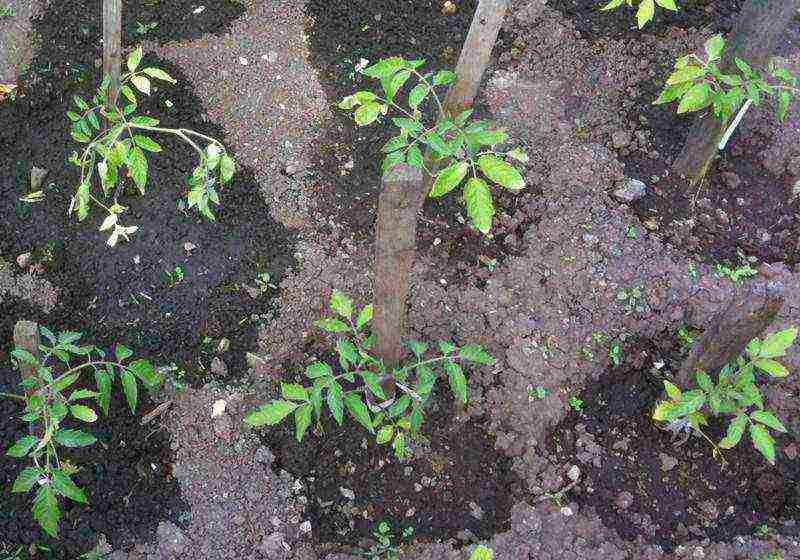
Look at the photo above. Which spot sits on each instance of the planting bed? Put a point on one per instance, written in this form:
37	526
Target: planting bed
550	294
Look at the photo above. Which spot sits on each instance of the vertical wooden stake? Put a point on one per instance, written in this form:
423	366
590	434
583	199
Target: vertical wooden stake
395	247
750	312
759	26
112	47
475	54
26	336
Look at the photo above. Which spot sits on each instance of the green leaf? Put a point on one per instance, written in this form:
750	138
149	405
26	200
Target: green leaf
412	126
391	85
399	407
66	381
26	479
22	447
772	367
744	67
477	354
713	46
45	510
147	143
142	84
130	389
385	435
371	379
349	102
341	304
417	95
103	381
145	121
481	552
127	92
358	410
134	59
735	431
294	392
480	206
367	113
74	438
414	157
416	418
396	143
332	325
227	168
645	13
500	172
458	383
763	442
271	413
686	74
610	6
348	351
691	401
391	160
82	394
698	97
83	413
488	137
317	369
768	419
74	117
449	178
364	317
335	401
518	154
399	445
302	420
776	344
704	381
668	4
444	77
146	372
80	103
384	68
63	486
784	100
137	163
122	352
159	74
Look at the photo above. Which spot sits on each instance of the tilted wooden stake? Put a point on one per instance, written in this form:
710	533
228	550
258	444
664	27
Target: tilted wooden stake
26	336
751	311
112	47
395	247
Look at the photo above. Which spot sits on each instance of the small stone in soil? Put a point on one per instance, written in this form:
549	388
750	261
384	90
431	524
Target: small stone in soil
574	473
667	463
347	493
620	139
633	190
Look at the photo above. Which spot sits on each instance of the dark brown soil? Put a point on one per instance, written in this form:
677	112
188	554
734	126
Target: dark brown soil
107	289
455	482
741	207
125	475
341	33
626	480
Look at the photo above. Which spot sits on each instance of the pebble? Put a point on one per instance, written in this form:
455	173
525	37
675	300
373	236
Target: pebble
417	487
667	463
623	500
574	473
305	527
37	177
218	367
620	139
223	345
198	10
408	470
347	493
264	456
271	57
633	190
566	511
475	510
722	217
189	247
24	260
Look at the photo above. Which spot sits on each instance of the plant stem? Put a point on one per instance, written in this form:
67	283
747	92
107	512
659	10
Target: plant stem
13	396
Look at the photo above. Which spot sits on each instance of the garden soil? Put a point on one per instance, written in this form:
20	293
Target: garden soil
550	295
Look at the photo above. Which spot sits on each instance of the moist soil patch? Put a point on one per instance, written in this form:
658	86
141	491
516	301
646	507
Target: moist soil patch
454	485
742	207
124	293
347	166
651	491
126	475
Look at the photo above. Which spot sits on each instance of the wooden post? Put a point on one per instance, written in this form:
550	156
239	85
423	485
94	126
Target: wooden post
759	26
112	47
748	315
395	248
472	63
475	54
26	336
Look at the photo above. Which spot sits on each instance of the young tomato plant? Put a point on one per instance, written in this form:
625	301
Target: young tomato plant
399	412
698	83
116	140
646	8
49	402
466	148
735	394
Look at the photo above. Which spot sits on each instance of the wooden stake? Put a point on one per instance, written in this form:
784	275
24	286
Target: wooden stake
26	336
751	311
112	47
